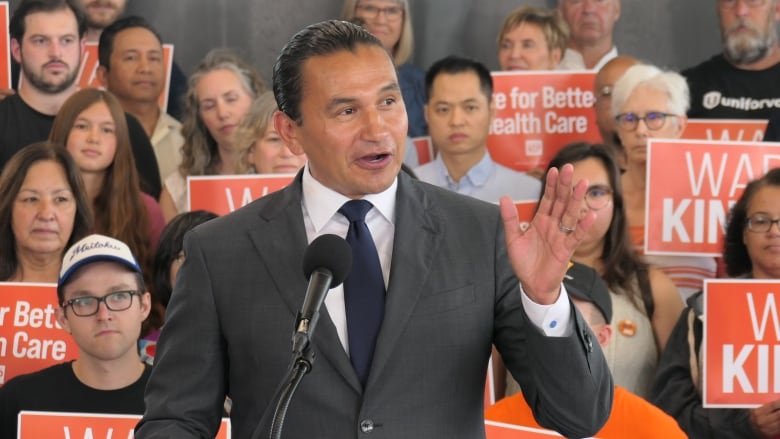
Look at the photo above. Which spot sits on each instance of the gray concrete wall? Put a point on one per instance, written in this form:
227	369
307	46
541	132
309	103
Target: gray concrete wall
671	33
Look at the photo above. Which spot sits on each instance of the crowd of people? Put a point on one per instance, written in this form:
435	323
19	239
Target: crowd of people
572	302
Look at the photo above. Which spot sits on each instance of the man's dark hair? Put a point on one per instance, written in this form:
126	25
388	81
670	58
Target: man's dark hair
107	37
318	39
16	27
455	64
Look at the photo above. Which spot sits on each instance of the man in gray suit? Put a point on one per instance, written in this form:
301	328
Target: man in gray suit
453	267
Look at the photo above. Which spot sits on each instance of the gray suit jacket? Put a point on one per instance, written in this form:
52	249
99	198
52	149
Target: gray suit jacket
451	294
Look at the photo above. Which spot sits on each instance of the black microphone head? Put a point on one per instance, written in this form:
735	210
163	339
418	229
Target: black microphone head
330	252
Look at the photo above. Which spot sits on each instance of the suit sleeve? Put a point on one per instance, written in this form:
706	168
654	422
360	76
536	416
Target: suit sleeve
549	368
186	391
675	393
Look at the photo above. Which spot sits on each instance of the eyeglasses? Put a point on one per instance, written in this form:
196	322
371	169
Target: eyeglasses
731	4
392	13
760	223
654	120
88	305
598	196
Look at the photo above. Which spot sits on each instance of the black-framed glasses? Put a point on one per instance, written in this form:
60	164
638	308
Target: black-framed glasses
654	120
761	223
89	305
392	13
598	196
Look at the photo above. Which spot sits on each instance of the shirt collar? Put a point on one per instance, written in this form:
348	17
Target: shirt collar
322	202
477	176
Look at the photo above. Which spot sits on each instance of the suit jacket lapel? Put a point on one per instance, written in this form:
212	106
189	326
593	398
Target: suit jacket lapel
282	211
416	241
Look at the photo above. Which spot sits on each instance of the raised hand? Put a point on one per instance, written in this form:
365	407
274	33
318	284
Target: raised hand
540	256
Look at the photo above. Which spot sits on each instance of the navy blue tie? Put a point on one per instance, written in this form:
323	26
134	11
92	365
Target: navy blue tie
364	289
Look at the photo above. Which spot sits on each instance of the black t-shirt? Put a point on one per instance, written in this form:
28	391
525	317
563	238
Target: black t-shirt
56	389
21	125
721	91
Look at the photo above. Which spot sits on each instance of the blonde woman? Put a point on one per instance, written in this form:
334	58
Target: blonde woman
263	151
219	95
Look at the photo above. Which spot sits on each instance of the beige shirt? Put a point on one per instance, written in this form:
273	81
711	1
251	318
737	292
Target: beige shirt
167	142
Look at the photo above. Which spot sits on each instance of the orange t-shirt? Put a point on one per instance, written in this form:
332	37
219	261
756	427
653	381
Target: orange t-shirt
631	416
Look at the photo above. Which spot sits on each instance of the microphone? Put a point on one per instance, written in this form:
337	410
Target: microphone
326	263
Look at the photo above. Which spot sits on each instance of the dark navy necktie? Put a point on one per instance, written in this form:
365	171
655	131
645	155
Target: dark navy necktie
364	289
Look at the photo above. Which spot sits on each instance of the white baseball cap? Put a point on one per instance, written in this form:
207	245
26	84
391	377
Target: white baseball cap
95	248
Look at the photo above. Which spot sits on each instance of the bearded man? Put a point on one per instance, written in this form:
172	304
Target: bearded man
742	81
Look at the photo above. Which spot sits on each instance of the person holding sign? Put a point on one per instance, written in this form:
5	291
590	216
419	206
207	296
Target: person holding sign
43	210
92	127
631	416
445	273
645	302
103	303
132	68
750	251
47	42
650	103
532	38
221	91
100	14
263	149
459	111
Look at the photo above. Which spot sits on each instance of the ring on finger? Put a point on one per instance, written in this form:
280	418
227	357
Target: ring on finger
565	229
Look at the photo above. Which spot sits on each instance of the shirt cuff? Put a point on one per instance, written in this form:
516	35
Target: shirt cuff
554	320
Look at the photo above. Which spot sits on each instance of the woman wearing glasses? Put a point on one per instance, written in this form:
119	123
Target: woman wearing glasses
645	302
391	22
651	103
750	251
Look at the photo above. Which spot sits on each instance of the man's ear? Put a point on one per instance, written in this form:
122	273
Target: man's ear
146	304
102	76
288	131
59	314
16	50
604	334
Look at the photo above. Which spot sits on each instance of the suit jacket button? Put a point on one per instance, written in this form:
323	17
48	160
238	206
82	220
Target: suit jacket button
366	426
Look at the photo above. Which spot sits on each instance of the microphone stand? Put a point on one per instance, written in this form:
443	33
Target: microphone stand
302	362
303	359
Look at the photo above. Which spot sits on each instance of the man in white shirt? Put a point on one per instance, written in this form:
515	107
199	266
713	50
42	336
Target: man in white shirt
459	112
591	25
451	266
132	67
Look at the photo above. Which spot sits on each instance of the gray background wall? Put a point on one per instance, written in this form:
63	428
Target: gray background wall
670	33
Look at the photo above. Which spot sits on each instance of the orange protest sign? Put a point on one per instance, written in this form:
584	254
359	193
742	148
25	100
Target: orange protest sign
740	130
5	48
537	113
691	184
741	346
87	425
30	337
223	194
89	63
424	148
499	430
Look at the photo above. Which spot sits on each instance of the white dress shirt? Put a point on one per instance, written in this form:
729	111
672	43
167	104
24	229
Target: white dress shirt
320	206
